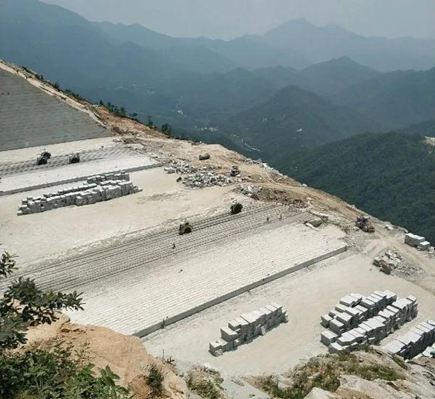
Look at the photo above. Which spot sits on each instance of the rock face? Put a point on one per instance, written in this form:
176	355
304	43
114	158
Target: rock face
125	355
417	381
418	384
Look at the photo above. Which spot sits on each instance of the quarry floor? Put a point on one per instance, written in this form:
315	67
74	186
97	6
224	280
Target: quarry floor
70	230
306	295
150	281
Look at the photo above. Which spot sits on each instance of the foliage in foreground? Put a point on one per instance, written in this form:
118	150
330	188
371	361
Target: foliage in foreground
44	374
324	372
205	383
58	373
23	305
154	380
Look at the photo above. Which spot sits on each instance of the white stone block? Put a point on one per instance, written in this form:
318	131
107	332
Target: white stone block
328	337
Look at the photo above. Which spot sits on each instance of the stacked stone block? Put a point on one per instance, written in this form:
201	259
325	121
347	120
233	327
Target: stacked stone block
96	189
429	352
419	339
358	321
416	241
248	326
353	309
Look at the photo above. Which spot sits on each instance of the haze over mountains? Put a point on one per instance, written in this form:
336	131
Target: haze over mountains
229	86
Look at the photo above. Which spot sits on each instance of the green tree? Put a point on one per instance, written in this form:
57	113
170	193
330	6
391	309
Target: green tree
150	123
24	305
166	129
56	373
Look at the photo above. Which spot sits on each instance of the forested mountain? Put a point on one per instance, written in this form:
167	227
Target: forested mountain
330	77
293	120
390	175
324	43
325	78
67	48
394	99
192	56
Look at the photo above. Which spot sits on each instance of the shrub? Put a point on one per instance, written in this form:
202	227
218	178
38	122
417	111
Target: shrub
44	374
154	380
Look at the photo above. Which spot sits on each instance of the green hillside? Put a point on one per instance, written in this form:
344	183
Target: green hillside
390	175
394	99
294	120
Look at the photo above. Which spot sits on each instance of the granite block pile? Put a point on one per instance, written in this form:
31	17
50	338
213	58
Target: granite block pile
248	326
358	321
96	189
418	340
418	242
205	176
429	351
392	262
250	190
388	262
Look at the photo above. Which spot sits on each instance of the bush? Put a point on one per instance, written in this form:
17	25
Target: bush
56	373
205	383
44	374
154	380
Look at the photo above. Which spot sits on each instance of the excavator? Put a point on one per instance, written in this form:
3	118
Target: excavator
74	158
236	208
43	158
185	228
364	223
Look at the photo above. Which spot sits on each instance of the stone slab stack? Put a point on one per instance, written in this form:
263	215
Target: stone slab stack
358	321
416	241
96	189
98	179
353	309
419	339
247	327
429	351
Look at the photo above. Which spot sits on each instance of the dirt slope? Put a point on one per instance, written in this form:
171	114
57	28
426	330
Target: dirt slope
125	355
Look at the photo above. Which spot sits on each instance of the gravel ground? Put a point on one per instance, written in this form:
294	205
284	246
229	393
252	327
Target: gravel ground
306	295
48	235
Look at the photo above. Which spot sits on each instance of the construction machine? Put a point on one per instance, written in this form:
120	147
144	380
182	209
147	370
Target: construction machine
235	171
364	223
74	158
236	208
185	228
43	158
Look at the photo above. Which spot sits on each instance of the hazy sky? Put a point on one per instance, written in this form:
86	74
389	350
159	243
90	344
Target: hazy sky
230	18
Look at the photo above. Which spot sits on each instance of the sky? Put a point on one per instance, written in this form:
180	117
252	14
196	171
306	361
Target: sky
227	19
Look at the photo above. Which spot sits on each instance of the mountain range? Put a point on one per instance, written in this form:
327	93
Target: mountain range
257	90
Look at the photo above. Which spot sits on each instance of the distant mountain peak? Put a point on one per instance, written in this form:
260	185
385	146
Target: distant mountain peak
346	61
299	23
341	62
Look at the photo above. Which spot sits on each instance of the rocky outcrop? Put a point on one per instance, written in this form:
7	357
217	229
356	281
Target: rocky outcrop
125	355
418	381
